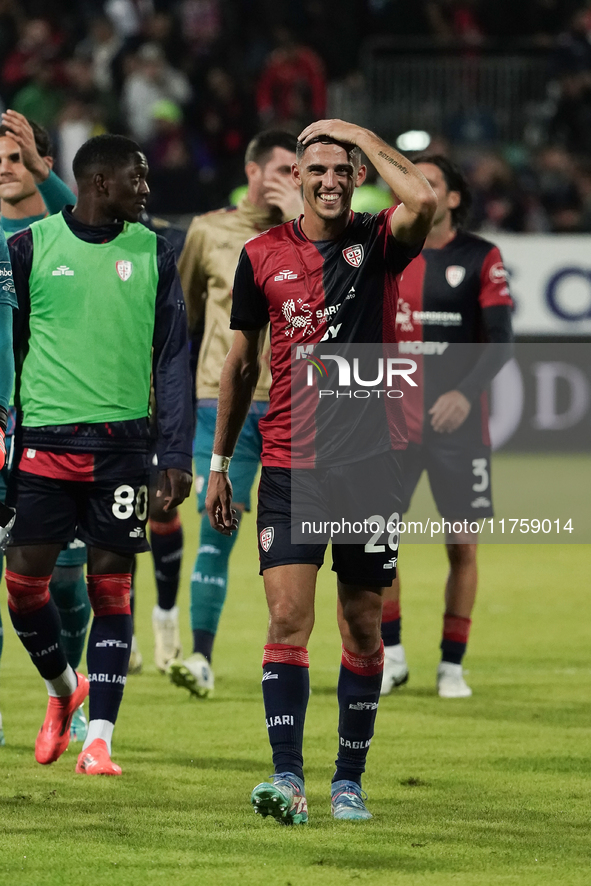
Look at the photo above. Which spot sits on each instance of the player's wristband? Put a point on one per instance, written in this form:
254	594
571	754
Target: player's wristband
220	463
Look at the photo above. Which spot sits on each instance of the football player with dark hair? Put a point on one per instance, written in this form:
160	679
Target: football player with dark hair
454	293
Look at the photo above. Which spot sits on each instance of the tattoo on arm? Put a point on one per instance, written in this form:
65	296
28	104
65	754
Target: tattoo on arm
394	162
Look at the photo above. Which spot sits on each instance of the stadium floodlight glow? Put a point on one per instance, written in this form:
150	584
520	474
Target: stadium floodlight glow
413	140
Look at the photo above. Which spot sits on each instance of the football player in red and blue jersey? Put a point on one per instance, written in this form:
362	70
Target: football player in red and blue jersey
454	294
329	275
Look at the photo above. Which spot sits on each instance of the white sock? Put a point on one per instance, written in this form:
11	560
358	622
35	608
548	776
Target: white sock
99	729
63	685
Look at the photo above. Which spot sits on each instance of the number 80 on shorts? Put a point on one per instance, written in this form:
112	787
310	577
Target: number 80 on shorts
126	503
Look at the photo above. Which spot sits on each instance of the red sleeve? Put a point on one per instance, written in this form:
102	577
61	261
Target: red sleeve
493	281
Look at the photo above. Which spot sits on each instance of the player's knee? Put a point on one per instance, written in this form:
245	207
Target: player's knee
461	554
287	618
110	594
25	593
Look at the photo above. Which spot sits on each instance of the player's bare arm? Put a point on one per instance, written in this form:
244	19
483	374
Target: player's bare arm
24	136
418	202
237	385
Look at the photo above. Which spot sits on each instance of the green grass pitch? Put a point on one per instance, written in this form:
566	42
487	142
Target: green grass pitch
490	790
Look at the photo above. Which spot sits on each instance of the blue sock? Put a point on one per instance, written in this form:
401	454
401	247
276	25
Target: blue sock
209	584
358	691
166	540
68	589
286	689
107	656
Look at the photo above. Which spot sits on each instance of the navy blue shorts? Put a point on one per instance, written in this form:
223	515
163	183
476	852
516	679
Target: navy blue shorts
372	563
105	513
458	472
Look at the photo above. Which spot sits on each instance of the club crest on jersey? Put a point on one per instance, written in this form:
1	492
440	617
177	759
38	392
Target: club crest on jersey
124	269
353	255
454	275
267	535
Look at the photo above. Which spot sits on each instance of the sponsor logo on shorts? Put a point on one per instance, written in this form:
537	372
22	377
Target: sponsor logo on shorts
283	720
364	706
124	269
391	564
481	502
454	274
267	535
138	532
267	675
353	255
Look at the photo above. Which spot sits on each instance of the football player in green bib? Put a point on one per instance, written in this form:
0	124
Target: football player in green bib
100	311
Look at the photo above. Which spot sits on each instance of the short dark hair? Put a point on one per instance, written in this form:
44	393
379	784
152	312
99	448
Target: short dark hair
260	147
455	181
353	152
110	151
43	141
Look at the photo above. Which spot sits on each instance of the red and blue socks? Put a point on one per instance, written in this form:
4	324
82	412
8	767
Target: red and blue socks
166	541
109	643
456	631
358	692
36	620
286	689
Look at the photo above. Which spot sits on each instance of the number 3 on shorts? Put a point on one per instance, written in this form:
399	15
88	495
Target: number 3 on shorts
123	506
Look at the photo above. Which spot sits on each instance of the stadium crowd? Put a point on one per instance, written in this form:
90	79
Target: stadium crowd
193	80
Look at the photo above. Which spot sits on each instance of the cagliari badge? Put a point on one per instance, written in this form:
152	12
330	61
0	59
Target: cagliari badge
454	275
353	255
124	269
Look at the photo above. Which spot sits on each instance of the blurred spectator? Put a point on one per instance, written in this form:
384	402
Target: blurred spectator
557	189
292	88
227	125
499	203
573	50
40	100
151	79
35	54
128	16
201	23
102	45
456	21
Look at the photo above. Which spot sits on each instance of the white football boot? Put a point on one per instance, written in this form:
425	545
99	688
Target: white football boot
395	668
194	674
136	660
167	638
450	681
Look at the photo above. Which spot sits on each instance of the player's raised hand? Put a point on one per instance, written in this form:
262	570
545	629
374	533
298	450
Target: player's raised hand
24	136
218	503
283	192
340	130
174	486
449	412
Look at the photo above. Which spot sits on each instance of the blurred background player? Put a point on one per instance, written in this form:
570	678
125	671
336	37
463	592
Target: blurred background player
8	304
461	274
29	191
84	437
207	266
166	531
